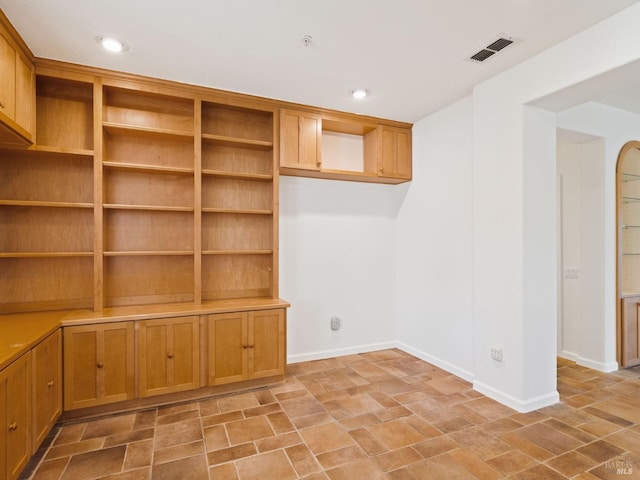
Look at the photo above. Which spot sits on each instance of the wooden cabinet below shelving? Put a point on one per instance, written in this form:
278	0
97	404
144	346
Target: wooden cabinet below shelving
15	417
46	366
169	355
98	364
246	345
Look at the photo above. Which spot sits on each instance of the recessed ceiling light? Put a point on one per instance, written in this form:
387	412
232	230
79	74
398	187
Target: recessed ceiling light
112	44
359	93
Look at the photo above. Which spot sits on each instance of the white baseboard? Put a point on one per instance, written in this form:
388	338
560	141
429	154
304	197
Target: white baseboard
522	406
506	399
600	366
587	362
569	356
458	372
340	352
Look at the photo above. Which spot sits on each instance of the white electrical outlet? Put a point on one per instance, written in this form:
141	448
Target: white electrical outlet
571	272
335	323
496	354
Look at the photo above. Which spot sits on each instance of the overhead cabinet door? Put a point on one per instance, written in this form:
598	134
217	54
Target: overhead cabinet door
300	140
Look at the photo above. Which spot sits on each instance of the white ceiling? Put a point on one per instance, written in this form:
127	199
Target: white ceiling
411	54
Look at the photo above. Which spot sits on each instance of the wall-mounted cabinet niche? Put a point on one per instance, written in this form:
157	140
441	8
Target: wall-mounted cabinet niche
64	115
323	146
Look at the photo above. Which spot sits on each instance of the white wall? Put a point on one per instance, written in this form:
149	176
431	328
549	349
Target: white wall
339	241
337	257
595	344
568	158
434	243
514	246
583	322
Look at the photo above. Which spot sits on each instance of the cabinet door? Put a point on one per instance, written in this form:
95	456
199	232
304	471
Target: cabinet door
630	331
8	78
395	152
98	364
266	339
169	355
25	93
46	383
300	140
228	348
4	426
15	380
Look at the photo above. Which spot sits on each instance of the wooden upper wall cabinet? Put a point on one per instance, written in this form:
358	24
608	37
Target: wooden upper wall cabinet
16	94
300	140
394	155
343	147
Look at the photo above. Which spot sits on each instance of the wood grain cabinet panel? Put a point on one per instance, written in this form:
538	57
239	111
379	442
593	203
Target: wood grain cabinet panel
8	78
169	355
267	356
228	351
630	331
300	140
16	95
4	430
246	345
98	364
24	93
15	404
394	154
46	382
344	147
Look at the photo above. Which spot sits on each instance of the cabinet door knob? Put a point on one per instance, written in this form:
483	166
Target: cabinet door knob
381	170
100	365
50	384
318	164
169	355
1	104
13	427
250	346
245	346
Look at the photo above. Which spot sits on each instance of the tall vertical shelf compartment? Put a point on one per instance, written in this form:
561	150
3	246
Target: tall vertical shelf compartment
148	197
239	207
46	205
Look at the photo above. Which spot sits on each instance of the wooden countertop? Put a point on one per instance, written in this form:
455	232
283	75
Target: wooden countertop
22	331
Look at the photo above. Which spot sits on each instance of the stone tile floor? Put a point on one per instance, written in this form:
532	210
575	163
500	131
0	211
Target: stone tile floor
371	416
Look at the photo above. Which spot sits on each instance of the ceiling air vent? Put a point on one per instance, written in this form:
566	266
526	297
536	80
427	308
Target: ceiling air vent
491	49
